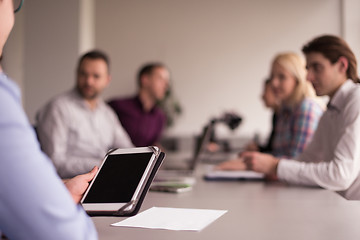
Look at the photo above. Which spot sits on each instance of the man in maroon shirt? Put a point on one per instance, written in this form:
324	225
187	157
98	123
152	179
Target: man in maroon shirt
140	115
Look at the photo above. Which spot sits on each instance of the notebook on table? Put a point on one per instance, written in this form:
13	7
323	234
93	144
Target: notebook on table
227	175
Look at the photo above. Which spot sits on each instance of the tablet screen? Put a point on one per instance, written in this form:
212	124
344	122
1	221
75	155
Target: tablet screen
118	178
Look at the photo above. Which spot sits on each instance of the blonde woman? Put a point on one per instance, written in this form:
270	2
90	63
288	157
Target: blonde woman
299	112
300	109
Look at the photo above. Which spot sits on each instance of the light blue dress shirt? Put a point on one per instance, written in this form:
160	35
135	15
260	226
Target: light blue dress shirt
34	203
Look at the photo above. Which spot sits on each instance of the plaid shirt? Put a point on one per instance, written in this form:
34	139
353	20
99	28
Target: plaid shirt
295	128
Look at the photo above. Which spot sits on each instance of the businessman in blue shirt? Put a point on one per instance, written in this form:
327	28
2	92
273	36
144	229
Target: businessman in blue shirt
34	202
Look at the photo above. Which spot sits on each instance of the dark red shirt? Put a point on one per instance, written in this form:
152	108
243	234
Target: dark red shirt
144	128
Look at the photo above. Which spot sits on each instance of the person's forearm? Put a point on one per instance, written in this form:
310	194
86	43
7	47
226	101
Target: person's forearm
324	174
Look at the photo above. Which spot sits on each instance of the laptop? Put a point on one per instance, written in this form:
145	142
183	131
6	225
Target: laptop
182	170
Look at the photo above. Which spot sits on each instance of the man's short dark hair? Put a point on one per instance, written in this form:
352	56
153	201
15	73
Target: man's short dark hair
94	54
332	48
148	69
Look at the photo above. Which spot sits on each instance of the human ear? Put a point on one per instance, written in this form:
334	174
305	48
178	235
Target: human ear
343	64
109	79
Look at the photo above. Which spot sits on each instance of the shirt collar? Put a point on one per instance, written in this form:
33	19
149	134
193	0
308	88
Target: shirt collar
10	84
138	101
339	99
3	75
82	101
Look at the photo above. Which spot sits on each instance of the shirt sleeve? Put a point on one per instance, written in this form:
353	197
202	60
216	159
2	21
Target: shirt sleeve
338	173
303	127
34	203
53	135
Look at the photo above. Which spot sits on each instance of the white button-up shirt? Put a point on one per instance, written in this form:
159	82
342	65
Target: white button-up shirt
75	137
332	159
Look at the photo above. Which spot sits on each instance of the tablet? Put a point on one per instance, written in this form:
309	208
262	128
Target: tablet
120	181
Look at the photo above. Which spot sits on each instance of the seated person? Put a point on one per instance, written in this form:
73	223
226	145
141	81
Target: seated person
140	115
332	159
77	128
34	202
270	101
299	111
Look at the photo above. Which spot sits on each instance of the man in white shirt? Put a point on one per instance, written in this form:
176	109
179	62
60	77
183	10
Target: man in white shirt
332	159
77	128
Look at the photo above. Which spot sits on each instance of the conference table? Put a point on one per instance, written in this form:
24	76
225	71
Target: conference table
256	210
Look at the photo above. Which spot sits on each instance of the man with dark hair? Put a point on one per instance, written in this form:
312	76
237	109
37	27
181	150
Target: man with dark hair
140	115
95	54
77	128
332	159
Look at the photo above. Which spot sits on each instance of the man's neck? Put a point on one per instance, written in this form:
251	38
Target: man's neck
93	103
147	101
343	80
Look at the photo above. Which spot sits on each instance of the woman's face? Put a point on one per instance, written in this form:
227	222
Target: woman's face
283	82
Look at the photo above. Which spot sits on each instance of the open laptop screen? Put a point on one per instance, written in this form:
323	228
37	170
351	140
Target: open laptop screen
201	144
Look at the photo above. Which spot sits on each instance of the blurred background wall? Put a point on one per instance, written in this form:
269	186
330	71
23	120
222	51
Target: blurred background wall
218	51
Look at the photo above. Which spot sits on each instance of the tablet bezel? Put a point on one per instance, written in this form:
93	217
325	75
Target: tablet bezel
111	207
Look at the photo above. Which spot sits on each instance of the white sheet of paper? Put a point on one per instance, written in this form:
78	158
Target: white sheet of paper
172	219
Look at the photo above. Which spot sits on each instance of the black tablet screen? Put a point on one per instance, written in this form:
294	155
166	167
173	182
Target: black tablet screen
118	178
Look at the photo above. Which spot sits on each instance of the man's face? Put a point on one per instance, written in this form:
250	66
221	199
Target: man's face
324	76
157	83
92	78
6	21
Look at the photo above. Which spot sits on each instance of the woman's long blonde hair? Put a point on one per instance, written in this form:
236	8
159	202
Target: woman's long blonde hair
295	64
